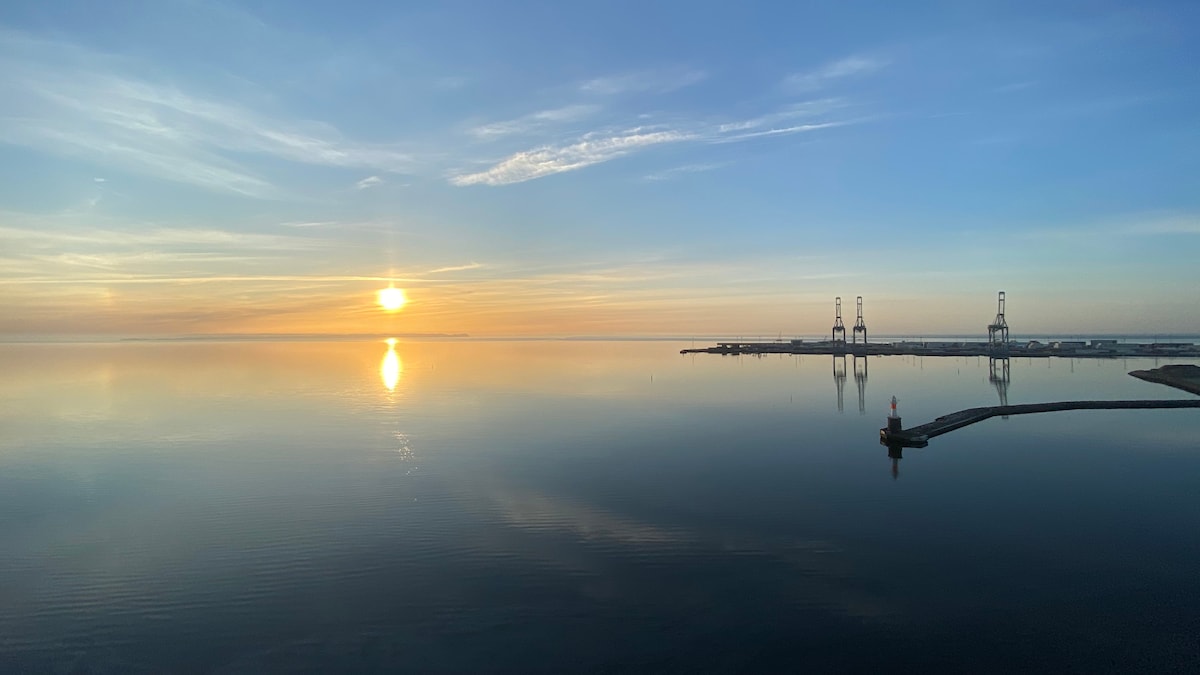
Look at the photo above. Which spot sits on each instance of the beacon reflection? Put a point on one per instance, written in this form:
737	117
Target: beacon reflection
391	367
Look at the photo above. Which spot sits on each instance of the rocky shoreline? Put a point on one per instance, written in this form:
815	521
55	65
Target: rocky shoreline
1185	377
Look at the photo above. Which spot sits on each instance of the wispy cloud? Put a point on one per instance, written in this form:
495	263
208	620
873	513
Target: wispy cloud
547	160
310	223
676	172
606	145
658	81
456	268
825	75
1178	224
218	278
533	122
368	182
1136	225
147	238
813	108
1013	87
779	131
64	249
60	99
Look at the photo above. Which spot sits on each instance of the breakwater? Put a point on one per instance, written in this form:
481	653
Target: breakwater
919	436
1098	348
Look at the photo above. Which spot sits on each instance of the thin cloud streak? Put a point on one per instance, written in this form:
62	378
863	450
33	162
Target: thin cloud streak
783	131
456	268
660	81
812	108
533	121
155	237
266	278
1148	225
597	147
368	182
678	171
57	99
548	160
829	73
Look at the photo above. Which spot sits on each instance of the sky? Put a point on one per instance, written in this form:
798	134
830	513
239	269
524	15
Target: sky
177	167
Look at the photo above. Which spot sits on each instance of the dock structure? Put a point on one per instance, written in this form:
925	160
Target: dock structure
919	436
859	327
997	346
839	328
998	328
1073	350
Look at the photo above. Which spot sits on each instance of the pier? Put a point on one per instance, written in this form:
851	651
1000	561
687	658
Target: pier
1080	349
998	344
919	436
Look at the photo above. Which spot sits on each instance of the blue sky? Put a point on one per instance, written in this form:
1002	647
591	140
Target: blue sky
594	168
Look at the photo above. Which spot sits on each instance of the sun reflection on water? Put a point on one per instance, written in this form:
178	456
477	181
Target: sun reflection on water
392	367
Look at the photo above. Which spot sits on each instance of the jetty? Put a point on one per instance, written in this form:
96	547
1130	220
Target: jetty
1083	349
1182	376
918	436
998	344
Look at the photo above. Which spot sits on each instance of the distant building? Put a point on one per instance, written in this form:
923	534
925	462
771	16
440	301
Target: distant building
1172	346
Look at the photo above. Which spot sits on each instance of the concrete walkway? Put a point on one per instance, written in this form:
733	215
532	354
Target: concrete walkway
918	436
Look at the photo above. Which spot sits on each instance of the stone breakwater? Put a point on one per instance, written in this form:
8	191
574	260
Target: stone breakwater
1185	377
1098	349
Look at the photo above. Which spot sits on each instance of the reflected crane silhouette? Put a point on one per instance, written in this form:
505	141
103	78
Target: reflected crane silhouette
860	381
1000	375
839	379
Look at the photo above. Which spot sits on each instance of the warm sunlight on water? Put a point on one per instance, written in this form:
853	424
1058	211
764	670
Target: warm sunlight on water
391	368
549	506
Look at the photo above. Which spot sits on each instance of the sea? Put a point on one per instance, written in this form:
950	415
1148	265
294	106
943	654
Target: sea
553	506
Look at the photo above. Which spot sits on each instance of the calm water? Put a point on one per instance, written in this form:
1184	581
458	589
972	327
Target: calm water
559	506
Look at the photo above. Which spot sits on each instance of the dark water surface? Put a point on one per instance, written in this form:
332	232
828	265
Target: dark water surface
564	506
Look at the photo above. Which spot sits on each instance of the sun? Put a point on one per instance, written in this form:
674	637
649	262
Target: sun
391	298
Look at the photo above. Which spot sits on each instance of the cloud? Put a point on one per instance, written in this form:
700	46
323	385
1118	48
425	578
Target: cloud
592	149
64	100
819	78
661	81
1013	87
533	121
602	146
1177	224
310	223
779	131
99	180
126	278
668	174
1151	224
69	248
795	111
456	268
149	238
368	182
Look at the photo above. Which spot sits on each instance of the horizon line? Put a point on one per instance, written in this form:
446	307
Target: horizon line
57	338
